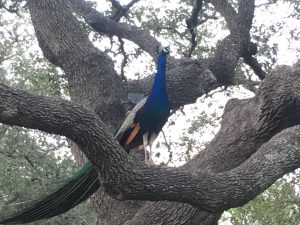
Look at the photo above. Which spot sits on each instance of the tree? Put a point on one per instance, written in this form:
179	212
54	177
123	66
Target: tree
258	140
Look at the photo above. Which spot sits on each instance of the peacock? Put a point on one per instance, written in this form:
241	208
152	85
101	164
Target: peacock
140	128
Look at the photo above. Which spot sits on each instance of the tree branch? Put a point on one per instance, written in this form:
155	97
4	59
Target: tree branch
227	11
56	116
121	10
214	192
192	22
125	58
85	67
266	4
186	80
252	122
105	25
254	64
239	25
227	53
245	15
13	8
125	180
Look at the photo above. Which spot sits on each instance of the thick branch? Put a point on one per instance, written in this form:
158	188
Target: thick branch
123	180
187	80
239	25
86	67
252	122
227	11
18	108
105	25
193	19
214	192
246	14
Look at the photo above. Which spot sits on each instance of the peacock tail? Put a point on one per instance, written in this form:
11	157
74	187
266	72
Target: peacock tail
76	189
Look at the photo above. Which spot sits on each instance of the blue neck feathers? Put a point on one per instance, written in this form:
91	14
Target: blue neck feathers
159	85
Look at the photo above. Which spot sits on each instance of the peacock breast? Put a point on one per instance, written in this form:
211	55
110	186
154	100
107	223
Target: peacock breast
153	117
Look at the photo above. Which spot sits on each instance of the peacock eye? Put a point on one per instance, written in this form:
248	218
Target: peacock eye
166	50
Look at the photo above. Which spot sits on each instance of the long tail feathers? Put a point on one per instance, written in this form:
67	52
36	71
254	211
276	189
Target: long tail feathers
74	190
77	188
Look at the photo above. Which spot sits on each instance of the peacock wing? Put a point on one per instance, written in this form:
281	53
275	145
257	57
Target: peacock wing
129	121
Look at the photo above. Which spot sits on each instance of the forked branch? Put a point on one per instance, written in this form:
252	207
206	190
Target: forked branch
125	180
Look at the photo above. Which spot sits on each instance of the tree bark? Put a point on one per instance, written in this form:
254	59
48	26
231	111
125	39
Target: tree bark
123	179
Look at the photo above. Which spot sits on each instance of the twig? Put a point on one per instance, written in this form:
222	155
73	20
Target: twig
121	10
210	95
171	29
168	147
105	25
269	3
206	18
254	64
125	58
192	23
29	161
12	8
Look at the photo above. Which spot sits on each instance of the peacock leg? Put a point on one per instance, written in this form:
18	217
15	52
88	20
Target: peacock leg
152	138
145	143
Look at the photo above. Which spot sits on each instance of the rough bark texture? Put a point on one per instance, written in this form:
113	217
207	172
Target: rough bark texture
258	141
123	179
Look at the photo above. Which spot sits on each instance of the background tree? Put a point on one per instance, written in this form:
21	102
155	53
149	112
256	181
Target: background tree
258	139
278	205
31	162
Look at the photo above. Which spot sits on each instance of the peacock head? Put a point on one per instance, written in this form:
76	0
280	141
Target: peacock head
163	50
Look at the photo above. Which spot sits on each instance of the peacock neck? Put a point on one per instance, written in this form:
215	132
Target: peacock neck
159	85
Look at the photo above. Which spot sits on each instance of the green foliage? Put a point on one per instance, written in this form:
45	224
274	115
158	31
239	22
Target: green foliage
169	23
280	204
31	165
267	51
23	65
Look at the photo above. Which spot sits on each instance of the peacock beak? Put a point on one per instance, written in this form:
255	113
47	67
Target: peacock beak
166	50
